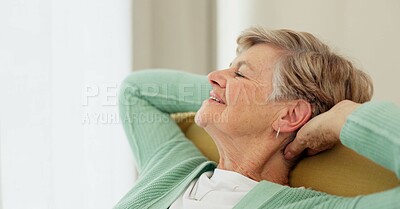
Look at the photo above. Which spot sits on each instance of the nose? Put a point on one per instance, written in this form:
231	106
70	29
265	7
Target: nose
218	78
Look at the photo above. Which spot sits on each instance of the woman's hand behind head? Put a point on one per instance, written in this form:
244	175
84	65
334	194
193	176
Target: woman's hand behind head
322	132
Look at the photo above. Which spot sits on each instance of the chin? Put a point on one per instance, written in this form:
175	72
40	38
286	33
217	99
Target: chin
209	114
199	120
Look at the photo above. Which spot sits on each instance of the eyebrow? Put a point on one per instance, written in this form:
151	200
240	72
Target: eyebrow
240	63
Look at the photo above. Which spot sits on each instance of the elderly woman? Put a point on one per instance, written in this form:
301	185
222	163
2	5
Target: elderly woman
258	113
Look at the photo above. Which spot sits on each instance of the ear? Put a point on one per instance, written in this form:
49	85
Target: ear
294	116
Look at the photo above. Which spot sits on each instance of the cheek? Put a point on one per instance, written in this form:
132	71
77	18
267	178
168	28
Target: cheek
246	112
247	95
244	122
235	93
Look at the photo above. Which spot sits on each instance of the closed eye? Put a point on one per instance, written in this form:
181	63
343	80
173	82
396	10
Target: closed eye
239	74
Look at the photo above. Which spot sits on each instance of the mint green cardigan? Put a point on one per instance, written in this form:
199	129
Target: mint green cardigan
167	161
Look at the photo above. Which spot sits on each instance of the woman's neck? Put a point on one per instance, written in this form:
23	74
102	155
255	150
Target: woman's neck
258	158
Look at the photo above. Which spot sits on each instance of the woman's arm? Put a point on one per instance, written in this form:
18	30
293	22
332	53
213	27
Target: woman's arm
373	130
370	129
147	98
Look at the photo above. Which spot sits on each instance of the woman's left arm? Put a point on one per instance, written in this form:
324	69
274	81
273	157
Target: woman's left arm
370	129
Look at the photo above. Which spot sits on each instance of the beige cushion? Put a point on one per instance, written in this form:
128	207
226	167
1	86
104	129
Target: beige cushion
339	171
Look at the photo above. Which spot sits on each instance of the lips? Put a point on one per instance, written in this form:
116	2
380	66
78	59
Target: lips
216	97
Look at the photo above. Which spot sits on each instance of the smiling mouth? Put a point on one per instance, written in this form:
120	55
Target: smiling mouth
216	99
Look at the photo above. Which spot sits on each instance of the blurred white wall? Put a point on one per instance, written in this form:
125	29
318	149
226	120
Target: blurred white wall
177	34
365	31
61	144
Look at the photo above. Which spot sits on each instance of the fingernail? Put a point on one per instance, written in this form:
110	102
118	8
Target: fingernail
289	155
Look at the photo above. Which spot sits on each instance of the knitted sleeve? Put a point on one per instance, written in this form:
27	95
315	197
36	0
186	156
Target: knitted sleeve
372	130
146	100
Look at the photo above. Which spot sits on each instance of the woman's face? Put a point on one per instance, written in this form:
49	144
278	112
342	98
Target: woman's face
238	104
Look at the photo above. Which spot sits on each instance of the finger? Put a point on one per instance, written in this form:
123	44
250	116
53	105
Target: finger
295	148
311	152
